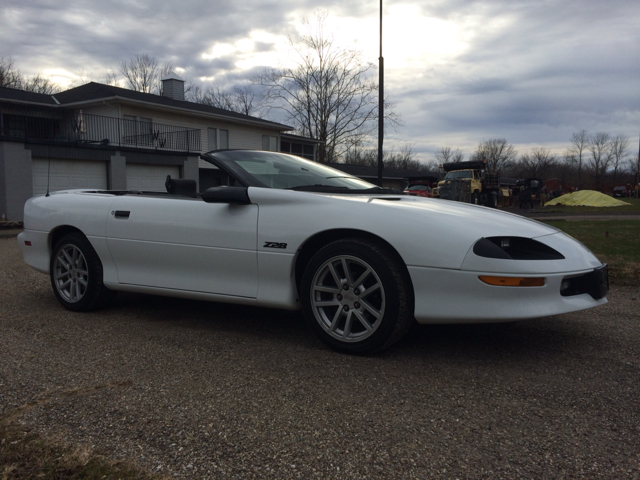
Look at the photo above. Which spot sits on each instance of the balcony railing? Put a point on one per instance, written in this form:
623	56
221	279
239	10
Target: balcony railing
84	128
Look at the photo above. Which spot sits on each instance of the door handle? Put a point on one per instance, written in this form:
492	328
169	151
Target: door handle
122	213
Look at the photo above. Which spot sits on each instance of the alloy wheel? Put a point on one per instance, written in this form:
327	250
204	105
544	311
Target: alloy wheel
70	273
347	298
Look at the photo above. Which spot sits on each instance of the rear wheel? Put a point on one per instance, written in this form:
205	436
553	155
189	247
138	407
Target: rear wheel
357	297
76	274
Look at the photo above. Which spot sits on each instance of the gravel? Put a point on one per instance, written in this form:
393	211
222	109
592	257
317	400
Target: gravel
204	390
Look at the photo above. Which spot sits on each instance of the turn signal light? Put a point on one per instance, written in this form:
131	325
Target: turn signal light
513	281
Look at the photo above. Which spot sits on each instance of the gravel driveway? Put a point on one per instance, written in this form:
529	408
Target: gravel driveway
205	390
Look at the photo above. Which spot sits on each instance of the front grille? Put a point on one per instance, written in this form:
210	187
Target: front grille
595	283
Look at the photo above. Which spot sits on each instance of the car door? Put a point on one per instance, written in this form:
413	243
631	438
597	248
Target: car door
181	243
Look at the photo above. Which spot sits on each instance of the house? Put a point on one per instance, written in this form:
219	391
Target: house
105	137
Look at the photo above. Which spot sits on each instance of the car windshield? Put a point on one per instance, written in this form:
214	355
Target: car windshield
458	174
282	171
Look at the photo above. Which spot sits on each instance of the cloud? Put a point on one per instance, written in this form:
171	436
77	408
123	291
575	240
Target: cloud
459	71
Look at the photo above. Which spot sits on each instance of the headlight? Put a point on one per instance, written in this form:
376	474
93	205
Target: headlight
515	248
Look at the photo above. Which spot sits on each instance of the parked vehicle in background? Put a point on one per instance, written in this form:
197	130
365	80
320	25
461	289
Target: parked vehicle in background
620	191
469	182
419	190
529	190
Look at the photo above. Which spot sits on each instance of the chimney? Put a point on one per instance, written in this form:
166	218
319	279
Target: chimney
173	87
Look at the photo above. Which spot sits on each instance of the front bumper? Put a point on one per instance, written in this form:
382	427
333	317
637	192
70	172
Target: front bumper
595	283
458	296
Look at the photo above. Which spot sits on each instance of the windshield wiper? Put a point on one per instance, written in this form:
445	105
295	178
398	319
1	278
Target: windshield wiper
318	187
335	189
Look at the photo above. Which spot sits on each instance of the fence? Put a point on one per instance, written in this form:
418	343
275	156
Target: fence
85	128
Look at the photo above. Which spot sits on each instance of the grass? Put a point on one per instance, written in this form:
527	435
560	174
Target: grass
616	242
25	455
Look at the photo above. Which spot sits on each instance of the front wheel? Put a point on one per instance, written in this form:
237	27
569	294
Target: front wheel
493	200
357	297
76	274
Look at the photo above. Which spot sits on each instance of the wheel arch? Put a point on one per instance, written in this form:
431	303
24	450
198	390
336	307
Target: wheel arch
320	239
59	232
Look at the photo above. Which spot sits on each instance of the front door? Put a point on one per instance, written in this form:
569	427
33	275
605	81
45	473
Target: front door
185	244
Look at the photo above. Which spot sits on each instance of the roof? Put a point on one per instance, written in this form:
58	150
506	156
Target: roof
26	97
93	92
291	136
172	76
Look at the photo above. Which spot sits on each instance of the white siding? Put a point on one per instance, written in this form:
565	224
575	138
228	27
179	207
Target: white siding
68	174
150	178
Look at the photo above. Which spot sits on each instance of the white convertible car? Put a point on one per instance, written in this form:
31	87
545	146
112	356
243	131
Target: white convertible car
361	261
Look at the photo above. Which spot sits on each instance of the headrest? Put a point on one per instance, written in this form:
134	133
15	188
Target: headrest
181	186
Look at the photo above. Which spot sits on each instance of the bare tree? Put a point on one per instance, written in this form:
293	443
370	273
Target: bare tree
446	155
240	99
247	101
599	146
405	159
577	151
537	164
634	169
140	72
498	153
110	78
10	77
329	94
619	147
163	71
39	84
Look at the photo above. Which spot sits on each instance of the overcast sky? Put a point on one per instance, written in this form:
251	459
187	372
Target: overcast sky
459	71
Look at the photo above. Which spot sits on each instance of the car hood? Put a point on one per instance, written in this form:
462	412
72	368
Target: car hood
424	231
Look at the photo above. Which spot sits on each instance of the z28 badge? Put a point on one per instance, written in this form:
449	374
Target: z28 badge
274	245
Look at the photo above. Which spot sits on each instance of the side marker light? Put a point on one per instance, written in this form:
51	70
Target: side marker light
513	281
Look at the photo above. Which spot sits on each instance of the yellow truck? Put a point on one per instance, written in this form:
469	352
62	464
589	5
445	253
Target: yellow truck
468	182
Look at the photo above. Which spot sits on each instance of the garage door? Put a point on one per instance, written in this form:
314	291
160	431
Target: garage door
67	174
150	178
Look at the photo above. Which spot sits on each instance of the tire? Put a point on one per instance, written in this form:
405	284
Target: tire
493	200
475	198
76	275
356	297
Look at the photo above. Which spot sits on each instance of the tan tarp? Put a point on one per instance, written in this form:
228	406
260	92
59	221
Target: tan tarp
586	198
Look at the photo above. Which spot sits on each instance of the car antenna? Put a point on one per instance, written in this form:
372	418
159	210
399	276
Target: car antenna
48	169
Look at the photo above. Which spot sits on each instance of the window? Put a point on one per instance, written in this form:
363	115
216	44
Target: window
303	150
270	143
138	130
218	138
223	139
212	135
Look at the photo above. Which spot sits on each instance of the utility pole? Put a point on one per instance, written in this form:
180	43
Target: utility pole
380	104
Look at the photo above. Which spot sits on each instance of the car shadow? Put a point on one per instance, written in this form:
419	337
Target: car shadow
528	340
519	341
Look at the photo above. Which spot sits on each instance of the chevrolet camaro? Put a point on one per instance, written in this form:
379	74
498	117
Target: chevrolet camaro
362	262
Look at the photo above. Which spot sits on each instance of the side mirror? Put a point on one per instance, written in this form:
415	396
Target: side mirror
231	195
